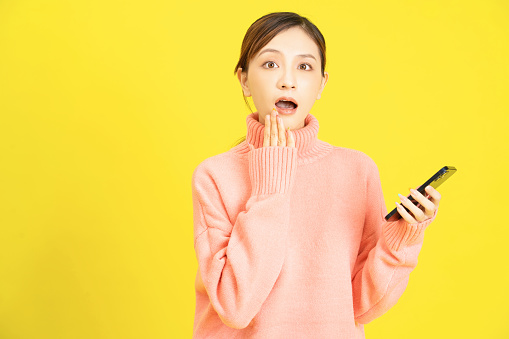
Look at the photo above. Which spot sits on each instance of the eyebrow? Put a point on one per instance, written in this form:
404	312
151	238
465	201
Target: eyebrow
276	51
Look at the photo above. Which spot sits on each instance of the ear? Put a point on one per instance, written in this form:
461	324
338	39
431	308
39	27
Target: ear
325	78
242	76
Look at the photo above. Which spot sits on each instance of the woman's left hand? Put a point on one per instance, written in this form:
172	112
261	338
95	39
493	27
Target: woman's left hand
425	208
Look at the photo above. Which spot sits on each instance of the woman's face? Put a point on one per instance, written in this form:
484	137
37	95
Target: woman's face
287	73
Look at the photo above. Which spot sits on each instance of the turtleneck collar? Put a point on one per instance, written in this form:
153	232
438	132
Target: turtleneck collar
309	147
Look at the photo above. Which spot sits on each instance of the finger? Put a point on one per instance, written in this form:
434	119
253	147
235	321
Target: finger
281	131
266	131
417	189
429	207
291	138
435	196
273	128
405	215
418	214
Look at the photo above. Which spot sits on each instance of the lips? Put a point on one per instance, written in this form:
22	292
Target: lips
285	102
286	105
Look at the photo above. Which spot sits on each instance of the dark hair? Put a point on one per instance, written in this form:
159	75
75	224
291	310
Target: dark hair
263	30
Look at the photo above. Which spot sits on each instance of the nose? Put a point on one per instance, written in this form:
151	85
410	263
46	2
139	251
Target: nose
287	80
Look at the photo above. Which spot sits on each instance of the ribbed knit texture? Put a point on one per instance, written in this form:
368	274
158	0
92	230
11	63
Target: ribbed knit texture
308	146
292	242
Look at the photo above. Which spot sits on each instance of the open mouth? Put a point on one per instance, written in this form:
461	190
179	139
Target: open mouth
286	105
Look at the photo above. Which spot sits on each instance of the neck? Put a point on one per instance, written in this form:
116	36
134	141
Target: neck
309	147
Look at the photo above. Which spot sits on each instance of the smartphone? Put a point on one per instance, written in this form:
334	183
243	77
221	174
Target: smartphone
436	180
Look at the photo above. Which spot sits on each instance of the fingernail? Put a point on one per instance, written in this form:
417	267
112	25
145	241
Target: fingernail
400	196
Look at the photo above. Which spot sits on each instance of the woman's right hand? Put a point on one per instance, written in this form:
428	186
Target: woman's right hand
274	132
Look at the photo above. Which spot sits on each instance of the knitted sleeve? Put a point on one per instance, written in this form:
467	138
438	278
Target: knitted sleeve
240	263
387	254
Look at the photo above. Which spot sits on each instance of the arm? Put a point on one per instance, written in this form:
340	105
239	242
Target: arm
239	264
388	253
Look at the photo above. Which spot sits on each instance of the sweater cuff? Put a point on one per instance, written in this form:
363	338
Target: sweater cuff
272	169
399	233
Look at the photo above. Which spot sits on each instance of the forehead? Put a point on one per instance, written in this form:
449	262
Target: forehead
293	41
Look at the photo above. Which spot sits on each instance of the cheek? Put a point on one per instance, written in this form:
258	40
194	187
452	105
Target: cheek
312	83
262	87
312	89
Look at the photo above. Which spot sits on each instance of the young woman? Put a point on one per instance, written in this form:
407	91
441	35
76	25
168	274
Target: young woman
289	231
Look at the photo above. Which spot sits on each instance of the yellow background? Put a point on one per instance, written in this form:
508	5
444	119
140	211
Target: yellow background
108	106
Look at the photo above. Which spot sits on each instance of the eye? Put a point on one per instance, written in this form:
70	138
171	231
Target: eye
269	62
307	65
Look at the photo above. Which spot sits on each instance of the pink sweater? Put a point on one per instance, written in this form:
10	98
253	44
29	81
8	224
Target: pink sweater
292	242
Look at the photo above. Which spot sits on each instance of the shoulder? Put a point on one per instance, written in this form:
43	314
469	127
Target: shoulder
215	165
359	164
354	157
